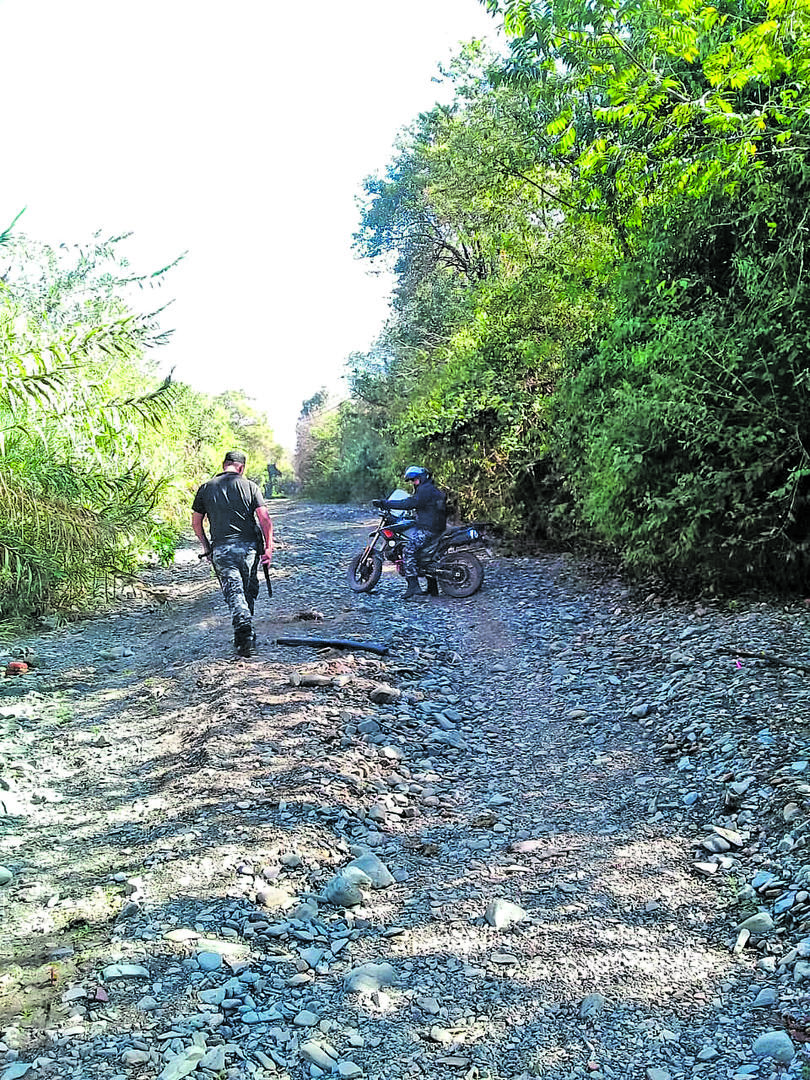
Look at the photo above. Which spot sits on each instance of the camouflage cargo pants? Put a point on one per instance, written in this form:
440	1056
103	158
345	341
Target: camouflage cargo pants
417	538
237	567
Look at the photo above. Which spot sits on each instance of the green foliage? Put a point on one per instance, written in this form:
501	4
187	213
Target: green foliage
644	100
686	438
251	433
683	436
340	456
483	421
494	291
98	455
163	542
73	493
600	321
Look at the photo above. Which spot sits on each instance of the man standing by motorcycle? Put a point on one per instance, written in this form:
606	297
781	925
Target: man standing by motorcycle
430	506
241	538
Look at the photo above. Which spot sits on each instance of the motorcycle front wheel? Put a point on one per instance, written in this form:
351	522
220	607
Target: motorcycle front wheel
364	571
460	574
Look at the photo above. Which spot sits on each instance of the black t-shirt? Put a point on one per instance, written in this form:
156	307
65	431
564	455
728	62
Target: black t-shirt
229	501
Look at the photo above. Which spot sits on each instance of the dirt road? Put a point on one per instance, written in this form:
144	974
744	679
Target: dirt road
577	792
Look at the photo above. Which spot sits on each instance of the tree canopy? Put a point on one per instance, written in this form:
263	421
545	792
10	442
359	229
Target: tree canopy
599	327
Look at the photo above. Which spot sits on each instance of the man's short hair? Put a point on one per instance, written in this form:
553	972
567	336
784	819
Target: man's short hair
234	457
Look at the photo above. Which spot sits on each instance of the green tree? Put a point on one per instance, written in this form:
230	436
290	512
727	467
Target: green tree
75	499
252	432
649	101
683	433
499	279
99	456
309	462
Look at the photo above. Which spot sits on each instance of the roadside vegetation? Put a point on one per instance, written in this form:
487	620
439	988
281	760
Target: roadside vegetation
600	323
99	451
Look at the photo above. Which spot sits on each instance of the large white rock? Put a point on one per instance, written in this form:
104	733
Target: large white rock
591	1005
214	1059
502	913
366	978
16	1070
345	889
320	1053
186	1061
760	923
776	1045
374	868
125	971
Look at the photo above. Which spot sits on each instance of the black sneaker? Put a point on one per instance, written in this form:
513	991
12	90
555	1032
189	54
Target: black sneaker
244	639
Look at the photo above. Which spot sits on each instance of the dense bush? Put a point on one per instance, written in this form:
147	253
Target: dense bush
686	438
340	455
98	454
600	323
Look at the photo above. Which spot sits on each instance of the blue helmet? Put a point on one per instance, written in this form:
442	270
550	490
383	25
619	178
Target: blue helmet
416	472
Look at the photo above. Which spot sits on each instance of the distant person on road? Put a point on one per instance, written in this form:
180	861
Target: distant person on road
430	506
241	539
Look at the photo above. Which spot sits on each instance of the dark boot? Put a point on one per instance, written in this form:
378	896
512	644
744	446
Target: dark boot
432	586
244	639
413	589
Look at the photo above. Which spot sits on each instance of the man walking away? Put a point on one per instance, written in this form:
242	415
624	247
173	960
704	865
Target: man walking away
241	539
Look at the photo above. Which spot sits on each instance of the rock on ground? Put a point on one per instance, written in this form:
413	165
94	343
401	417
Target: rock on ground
573	817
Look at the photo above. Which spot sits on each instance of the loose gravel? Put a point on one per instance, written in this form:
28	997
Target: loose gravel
560	830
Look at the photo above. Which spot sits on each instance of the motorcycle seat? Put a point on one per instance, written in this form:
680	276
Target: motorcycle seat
429	552
460	536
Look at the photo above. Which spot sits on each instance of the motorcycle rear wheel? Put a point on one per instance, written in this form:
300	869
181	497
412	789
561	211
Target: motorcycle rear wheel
364	571
460	574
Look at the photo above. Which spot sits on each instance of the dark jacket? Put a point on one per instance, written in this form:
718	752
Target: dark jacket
429	503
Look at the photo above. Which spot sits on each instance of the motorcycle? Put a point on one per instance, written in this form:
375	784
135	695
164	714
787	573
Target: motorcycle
447	558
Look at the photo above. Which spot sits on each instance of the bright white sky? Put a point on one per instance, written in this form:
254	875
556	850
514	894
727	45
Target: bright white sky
240	132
